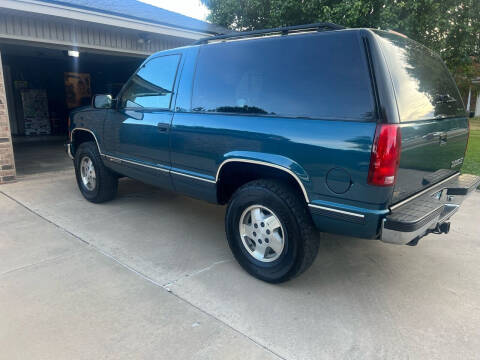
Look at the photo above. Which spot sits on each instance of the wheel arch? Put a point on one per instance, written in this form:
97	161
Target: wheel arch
234	171
81	135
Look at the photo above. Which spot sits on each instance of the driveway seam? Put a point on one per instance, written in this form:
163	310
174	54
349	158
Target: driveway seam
147	278
228	326
44	218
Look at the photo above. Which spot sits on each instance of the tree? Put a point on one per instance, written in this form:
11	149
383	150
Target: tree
450	27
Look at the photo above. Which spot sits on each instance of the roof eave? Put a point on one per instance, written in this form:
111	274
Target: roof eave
103	18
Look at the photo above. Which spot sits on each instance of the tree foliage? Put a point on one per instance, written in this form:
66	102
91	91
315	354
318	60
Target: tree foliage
450	27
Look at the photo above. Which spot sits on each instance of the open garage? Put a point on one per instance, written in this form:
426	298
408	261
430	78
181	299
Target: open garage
41	96
56	54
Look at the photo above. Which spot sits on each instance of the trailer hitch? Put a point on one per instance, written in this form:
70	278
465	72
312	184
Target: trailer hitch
442	228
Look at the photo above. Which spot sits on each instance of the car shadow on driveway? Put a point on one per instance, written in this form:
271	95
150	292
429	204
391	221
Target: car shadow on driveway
195	229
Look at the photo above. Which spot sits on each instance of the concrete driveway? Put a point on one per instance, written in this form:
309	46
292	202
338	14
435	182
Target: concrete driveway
149	275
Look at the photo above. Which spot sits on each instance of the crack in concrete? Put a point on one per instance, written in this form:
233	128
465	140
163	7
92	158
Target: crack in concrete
47	260
193	273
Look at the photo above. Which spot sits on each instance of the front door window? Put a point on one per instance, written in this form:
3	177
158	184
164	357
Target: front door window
152	86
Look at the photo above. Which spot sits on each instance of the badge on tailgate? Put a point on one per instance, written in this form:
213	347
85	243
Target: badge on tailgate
457	162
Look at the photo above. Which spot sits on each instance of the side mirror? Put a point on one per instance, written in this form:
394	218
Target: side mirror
102	102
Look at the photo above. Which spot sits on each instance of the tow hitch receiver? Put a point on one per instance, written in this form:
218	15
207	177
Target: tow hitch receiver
443	228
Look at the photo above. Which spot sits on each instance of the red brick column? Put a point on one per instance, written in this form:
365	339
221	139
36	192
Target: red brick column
7	162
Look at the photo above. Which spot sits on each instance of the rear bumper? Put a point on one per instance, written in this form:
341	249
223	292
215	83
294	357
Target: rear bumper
424	214
68	150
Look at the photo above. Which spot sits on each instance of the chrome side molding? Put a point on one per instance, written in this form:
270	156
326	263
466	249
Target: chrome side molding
337	211
258	162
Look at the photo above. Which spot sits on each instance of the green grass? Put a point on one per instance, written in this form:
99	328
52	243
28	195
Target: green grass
475	123
471	164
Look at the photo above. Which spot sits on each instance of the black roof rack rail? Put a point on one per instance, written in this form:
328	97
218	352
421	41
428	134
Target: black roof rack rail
326	26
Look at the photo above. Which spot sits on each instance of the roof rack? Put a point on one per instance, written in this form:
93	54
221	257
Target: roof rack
326	26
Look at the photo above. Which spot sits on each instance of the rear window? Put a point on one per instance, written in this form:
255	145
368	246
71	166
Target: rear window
423	86
313	76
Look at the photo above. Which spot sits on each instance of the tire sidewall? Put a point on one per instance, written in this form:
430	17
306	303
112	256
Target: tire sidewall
280	268
86	150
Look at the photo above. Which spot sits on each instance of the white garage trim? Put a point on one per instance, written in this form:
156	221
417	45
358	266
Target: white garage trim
69	44
98	18
17	26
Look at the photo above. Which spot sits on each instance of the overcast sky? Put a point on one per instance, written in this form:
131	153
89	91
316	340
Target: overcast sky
192	8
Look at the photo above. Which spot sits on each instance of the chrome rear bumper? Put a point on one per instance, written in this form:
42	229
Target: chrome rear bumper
425	214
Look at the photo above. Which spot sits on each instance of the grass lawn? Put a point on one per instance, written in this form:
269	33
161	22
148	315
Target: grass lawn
471	165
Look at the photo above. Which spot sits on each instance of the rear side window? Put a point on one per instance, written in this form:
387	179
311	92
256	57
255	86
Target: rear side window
152	85
313	76
423	87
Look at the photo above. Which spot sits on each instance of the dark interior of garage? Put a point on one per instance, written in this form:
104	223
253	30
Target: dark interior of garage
42	86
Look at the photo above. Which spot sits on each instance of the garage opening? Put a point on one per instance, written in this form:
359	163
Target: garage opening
42	86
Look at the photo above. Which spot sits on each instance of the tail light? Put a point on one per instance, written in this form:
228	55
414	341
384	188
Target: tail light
68	127
385	155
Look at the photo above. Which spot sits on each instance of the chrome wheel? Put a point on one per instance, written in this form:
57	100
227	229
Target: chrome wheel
262	233
87	173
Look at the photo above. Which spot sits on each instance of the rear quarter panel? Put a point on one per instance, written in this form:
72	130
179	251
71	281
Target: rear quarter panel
201	142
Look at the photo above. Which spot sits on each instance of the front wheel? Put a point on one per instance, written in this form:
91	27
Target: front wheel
95	181
270	231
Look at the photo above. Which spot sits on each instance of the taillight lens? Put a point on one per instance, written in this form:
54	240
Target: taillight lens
385	155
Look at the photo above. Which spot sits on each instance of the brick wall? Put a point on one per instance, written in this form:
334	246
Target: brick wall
7	162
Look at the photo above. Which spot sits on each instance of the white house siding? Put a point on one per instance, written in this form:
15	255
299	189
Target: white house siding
58	31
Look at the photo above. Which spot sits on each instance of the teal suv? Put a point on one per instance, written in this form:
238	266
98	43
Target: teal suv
297	130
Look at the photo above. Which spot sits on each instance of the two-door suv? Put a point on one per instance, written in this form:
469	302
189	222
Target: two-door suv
350	131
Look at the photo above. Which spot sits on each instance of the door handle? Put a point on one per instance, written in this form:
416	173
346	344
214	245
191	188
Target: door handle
163	127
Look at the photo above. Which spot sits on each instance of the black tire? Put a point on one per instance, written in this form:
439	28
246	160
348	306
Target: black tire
106	182
301	242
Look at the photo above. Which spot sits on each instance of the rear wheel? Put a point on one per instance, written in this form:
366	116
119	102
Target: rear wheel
270	231
95	181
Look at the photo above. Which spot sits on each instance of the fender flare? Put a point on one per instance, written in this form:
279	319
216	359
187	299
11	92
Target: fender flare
89	131
276	161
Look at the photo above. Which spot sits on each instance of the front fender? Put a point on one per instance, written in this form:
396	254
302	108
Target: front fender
88	120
